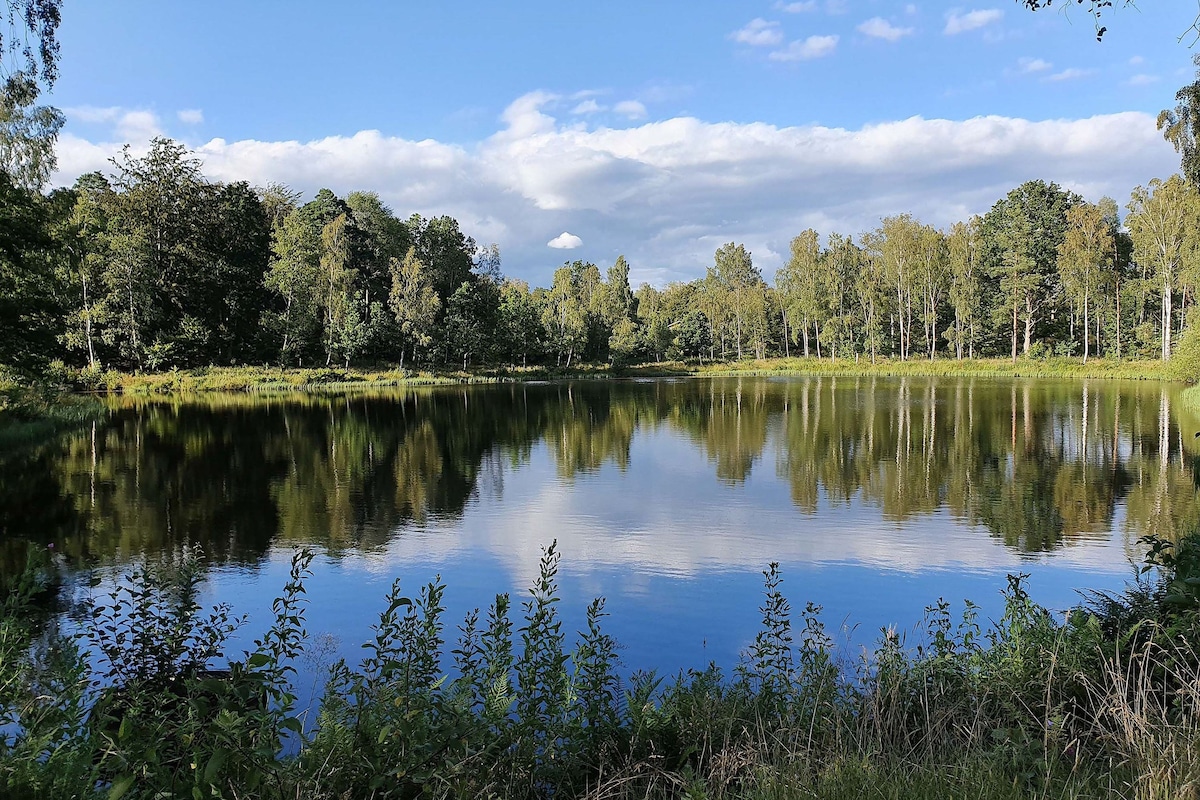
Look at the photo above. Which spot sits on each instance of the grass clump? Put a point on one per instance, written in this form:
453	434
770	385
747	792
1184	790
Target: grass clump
33	412
1103	703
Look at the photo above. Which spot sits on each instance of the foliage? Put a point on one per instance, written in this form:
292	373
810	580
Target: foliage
1029	705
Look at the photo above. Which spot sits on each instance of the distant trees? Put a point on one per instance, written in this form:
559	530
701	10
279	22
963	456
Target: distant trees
156	267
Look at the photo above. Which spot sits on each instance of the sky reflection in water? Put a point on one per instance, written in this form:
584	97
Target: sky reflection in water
877	496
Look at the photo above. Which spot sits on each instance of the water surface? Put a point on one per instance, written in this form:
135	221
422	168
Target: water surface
668	497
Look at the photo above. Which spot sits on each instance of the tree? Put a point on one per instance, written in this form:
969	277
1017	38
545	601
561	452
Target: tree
800	288
1023	232
896	244
471	320
966	286
1084	260
736	271
293	275
28	131
414	302
1096	10
337	276
155	244
87	252
520	321
1181	126
1162	221
566	314
28	310
446	252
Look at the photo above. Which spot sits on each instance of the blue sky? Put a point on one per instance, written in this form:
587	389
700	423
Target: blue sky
658	130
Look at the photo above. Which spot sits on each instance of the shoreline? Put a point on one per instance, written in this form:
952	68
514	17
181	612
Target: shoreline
282	380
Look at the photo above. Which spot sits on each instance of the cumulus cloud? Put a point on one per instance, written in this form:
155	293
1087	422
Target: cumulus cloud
880	28
1030	65
758	33
190	116
668	193
1142	80
587	107
1070	74
630	108
806	49
129	125
957	22
565	241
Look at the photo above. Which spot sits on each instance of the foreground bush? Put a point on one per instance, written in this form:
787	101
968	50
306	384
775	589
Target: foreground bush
1103	704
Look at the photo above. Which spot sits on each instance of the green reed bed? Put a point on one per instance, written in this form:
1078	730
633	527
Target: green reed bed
952	368
279	379
32	414
507	703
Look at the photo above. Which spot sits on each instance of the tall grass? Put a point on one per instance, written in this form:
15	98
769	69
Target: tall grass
1104	703
32	414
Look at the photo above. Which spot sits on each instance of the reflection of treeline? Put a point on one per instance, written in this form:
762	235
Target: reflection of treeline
155	267
1035	463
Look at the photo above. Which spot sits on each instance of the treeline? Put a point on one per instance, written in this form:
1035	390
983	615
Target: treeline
155	267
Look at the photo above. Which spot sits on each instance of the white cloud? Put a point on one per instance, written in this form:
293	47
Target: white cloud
132	126
631	109
880	28
1142	80
957	23
1136	61
796	8
668	193
758	33
587	107
190	116
1031	65
565	241
1069	74
910	9
806	49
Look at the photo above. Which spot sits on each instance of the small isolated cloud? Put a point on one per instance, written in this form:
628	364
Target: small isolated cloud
880	28
758	33
911	8
630	108
190	116
1136	61
1031	65
587	107
957	23
565	241
1070	74
806	49
796	8
1142	80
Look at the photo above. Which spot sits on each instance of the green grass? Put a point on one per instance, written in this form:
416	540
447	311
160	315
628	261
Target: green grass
30	415
988	368
276	379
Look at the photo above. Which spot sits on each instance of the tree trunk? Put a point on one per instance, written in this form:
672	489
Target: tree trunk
1014	332
1166	321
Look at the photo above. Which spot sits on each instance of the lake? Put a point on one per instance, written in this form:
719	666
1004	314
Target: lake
877	496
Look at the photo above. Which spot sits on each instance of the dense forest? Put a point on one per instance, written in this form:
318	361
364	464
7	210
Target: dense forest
156	267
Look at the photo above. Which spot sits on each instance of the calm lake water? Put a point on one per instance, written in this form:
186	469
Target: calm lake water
668	497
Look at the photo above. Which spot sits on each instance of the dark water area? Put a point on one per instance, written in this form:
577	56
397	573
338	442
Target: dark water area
668	497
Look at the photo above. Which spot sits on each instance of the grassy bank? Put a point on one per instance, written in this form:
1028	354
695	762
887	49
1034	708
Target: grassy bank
979	367
276	379
29	415
1102	704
